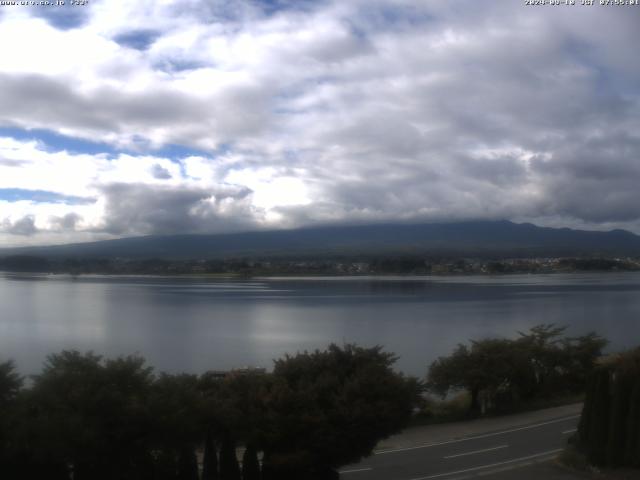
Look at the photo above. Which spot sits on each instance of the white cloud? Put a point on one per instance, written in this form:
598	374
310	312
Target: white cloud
329	111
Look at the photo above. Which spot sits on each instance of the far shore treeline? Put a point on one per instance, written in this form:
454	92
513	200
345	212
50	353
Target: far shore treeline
399	264
88	417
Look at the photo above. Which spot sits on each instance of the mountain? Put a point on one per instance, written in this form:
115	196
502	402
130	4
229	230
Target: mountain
473	238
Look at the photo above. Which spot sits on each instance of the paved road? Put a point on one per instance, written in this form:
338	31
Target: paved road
474	455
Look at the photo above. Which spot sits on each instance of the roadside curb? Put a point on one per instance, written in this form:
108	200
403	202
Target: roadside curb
414	437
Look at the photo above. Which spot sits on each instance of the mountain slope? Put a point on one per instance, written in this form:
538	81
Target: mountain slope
500	238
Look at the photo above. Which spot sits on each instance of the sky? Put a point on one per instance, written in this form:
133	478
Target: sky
125	118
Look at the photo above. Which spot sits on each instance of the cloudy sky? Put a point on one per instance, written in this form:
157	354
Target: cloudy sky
125	118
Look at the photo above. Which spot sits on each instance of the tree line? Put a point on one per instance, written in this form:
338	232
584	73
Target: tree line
313	265
88	417
500	374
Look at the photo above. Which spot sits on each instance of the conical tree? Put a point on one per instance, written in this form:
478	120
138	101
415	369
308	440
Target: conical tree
210	459
599	422
166	467
229	468
187	464
38	470
267	472
585	422
622	387
609	430
250	464
632	444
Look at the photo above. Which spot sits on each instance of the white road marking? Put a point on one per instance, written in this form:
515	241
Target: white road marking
486	435
570	431
477	451
482	467
355	470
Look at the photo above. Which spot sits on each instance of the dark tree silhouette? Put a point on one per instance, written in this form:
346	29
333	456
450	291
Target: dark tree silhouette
250	464
330	408
229	468
92	415
609	429
187	464
210	459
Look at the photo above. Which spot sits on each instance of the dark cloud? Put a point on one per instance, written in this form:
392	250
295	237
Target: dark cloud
24	226
239	11
159	172
137	39
7	162
62	17
173	65
109	114
67	222
150	209
595	180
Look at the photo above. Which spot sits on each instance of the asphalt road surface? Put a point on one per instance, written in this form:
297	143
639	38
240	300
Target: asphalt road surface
469	456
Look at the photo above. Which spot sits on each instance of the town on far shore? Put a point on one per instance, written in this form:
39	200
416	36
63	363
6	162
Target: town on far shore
383	265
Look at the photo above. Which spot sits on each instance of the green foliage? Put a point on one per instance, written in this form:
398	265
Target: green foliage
239	406
599	422
451	409
621	395
187	464
500	373
229	468
209	459
85	417
175	403
632	450
10	383
574	459
250	464
93	414
609	429
329	408
579	355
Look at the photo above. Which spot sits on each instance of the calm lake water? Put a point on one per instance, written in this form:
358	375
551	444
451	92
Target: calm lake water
194	324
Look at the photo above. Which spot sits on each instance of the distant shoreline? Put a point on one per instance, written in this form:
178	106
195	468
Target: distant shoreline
319	276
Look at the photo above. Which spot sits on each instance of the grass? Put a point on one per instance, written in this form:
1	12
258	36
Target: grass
434	411
456	408
575	460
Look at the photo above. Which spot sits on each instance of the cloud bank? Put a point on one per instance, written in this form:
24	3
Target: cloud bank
223	116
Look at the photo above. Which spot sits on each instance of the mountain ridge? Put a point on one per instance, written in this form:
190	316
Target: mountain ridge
469	238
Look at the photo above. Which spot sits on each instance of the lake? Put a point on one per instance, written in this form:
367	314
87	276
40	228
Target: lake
195	324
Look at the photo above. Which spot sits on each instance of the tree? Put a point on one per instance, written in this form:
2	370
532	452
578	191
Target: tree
10	386
632	444
621	396
10	383
236	411
187	464
176	406
498	373
250	464
490	369
92	415
609	429
330	408
229	468
546	356
210	458
581	354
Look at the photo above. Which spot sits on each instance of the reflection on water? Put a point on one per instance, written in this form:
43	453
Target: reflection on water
192	324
